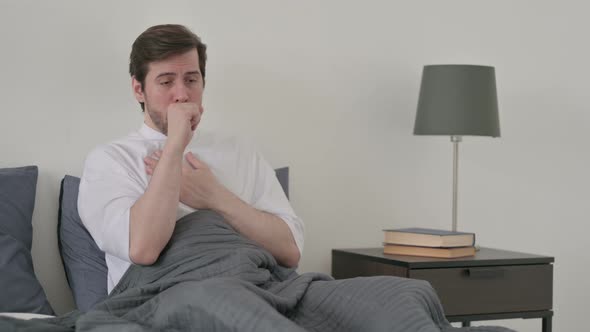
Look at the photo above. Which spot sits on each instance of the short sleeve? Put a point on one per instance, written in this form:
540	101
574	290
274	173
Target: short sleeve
107	193
269	197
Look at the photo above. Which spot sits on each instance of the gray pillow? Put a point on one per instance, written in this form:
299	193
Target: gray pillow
84	262
86	269
20	291
283	177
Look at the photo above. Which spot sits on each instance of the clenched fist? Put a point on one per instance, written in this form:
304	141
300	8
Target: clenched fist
183	119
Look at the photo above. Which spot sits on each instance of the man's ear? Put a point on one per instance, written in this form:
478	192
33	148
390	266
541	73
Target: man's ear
137	90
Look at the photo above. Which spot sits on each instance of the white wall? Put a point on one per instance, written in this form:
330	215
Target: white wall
330	88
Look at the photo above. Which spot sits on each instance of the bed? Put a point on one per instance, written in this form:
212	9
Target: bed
209	278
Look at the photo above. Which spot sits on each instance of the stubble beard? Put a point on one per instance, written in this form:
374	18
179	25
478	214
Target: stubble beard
157	119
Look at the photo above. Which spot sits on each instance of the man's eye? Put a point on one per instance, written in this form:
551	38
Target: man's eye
192	80
165	83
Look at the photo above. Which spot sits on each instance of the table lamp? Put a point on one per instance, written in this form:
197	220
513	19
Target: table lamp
457	100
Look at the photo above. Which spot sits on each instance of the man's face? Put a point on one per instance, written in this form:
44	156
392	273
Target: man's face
176	79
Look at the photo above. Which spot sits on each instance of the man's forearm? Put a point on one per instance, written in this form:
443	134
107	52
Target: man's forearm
153	216
268	230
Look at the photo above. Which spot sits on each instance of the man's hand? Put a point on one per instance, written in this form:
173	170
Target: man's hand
199	189
153	216
183	119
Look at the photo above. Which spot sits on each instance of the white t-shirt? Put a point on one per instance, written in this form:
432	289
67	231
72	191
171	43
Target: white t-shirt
114	178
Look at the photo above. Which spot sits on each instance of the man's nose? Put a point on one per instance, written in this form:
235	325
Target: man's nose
180	94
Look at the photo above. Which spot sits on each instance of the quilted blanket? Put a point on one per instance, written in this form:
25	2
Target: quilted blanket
210	278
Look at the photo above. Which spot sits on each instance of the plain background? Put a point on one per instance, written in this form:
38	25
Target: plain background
329	88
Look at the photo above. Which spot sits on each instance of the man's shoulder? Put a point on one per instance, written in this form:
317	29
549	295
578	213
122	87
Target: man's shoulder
114	150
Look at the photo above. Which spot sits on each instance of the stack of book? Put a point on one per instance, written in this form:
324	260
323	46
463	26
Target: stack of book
428	242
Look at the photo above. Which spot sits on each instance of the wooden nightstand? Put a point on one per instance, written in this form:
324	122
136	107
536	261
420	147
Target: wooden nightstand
493	284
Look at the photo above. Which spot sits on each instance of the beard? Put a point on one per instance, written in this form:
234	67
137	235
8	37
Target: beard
158	119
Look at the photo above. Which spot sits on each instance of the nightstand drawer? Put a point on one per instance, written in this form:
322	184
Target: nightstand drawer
491	289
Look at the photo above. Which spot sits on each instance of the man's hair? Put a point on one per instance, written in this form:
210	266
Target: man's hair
160	42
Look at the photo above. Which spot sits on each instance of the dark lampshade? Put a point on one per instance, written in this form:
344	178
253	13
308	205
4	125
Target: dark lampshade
458	100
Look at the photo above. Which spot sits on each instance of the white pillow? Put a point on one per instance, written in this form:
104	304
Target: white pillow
23	315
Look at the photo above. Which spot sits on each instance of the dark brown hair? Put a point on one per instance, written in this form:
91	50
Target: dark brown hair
160	42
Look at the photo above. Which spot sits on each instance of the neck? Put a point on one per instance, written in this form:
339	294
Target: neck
148	121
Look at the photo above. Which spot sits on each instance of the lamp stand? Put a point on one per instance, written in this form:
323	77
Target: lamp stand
456	140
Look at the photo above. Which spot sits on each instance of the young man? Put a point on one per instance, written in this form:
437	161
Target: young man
133	190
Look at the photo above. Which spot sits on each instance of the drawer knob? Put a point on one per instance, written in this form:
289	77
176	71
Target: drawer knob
485	273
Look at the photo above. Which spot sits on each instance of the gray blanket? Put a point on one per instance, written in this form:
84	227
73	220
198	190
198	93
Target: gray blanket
209	278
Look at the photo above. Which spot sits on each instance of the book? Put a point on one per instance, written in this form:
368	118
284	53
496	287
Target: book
426	237
394	249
